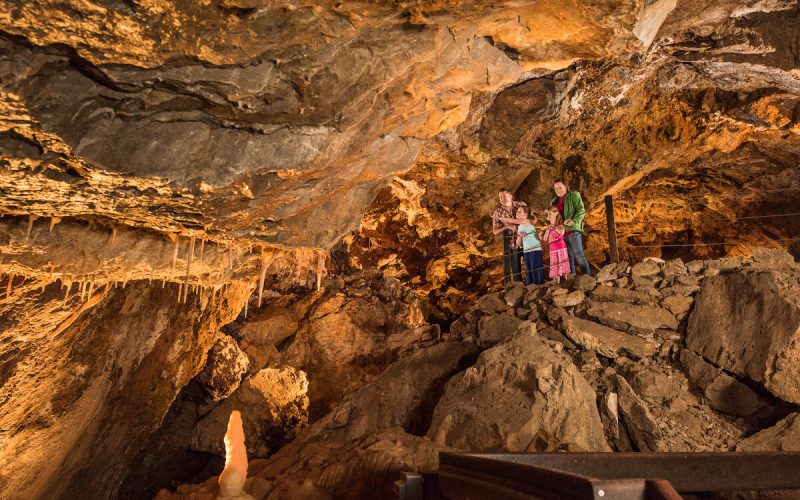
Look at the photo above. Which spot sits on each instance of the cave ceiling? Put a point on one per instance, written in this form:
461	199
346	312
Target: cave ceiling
247	123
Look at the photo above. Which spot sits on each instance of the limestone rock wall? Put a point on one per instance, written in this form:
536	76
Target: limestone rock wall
90	381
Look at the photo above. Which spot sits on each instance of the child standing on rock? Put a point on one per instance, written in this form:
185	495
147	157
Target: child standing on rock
554	235
531	247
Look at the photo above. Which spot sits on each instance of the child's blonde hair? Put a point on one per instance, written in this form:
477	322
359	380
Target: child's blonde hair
559	219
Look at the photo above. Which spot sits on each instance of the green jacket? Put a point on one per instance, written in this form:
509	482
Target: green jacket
573	209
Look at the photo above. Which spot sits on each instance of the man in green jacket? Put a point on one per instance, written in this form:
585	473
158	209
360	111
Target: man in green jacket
570	206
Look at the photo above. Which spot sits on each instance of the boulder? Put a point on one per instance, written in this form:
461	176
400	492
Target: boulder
274	406
614	294
674	267
607	341
607	273
403	395
722	392
493	329
772	258
534	294
224	368
352	343
637	419
725	263
647	268
678	304
270	326
783	436
570	299
642	317
585	283
695	266
492	303
515	294
652	384
520	396
747	322
551	333
466	326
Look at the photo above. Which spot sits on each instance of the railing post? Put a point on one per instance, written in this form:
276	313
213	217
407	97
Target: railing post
612	229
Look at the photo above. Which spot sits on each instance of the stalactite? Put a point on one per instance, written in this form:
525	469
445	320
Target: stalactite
266	260
66	293
246	302
230	259
53	222
31	218
113	234
202	248
175	252
189	257
91	288
52	271
320	269
163	282
81	289
180	289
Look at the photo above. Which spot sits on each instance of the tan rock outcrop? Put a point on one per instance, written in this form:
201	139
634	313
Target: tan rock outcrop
403	395
274	407
723	392
607	341
783	436
747	322
519	396
640	317
225	367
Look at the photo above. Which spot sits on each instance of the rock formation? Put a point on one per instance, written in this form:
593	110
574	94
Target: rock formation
207	204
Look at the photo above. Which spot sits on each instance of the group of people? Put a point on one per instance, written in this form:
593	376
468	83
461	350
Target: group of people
523	241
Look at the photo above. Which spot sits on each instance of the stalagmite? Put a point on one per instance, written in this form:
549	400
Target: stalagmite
31	218
233	477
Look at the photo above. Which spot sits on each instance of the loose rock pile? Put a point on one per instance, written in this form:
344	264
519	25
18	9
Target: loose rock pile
658	356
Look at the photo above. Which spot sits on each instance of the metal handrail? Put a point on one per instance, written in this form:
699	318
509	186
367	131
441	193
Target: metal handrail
603	476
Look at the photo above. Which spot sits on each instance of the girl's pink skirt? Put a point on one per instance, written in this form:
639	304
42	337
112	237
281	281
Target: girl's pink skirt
559	259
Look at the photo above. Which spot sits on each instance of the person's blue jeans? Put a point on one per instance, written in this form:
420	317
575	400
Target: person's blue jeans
575	252
534	268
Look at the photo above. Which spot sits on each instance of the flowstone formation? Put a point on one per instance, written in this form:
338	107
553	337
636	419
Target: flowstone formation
282	208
